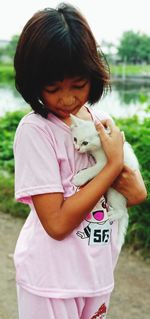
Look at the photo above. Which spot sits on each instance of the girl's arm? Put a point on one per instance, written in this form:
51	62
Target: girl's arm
58	216
130	184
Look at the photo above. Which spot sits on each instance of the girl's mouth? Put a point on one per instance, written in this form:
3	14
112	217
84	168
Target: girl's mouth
67	113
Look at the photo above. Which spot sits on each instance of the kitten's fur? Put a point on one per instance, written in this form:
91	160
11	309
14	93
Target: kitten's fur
86	139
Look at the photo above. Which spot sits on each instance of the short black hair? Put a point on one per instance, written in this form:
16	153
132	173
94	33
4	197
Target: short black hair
54	44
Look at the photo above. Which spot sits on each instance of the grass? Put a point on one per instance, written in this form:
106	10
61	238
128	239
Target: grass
139	70
130	70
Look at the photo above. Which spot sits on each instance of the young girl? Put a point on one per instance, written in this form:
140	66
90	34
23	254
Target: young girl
60	274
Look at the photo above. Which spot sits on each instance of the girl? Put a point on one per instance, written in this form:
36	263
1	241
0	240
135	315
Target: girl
59	274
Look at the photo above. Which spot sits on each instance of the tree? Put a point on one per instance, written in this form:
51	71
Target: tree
109	50
127	49
144	48
134	47
11	47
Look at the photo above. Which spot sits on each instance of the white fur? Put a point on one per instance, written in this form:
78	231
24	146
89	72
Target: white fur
85	131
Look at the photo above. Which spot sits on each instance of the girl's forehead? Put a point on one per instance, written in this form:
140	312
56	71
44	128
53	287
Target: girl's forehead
68	80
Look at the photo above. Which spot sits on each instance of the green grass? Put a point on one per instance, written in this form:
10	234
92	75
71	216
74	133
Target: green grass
7	71
130	70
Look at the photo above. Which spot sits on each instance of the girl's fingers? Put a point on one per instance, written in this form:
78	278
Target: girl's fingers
112	140
99	126
101	130
106	124
106	127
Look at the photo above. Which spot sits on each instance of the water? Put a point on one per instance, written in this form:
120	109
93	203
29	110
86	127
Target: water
124	100
10	100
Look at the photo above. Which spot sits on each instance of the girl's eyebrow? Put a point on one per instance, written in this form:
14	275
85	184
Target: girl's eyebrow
76	79
80	78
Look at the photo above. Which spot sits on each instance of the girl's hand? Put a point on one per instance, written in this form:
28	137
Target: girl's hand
130	184
112	142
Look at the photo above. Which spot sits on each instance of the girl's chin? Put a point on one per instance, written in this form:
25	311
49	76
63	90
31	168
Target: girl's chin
66	114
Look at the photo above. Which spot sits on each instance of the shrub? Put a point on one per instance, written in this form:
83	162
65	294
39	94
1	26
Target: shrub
8	125
8	204
6	73
138	135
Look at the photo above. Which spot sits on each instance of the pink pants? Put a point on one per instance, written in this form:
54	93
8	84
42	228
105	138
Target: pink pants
36	307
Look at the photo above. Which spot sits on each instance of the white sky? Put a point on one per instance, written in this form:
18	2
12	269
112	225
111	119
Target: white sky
108	18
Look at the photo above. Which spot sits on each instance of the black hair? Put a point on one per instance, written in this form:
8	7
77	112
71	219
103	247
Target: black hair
54	44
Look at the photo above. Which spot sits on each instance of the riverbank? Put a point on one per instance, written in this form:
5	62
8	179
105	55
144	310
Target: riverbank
130	299
123	78
119	72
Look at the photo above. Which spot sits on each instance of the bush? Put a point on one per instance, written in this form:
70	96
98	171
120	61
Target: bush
8	204
8	125
138	135
6	73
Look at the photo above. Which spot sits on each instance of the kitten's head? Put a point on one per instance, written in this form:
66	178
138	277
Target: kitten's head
85	136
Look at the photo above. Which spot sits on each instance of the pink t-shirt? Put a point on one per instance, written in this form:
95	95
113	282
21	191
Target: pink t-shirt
83	263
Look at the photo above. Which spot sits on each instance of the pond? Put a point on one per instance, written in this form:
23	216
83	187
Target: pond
124	100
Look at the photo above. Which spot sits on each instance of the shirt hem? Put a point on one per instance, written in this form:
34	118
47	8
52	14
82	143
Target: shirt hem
65	294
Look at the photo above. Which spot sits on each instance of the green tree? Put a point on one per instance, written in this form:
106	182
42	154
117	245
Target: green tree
128	47
144	48
134	47
11	47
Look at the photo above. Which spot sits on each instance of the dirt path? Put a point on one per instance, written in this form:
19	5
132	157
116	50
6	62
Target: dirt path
130	299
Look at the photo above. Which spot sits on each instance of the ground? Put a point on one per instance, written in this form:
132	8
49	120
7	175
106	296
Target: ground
130	299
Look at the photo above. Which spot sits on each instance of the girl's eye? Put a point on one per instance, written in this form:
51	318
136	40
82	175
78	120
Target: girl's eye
85	143
52	90
78	87
56	89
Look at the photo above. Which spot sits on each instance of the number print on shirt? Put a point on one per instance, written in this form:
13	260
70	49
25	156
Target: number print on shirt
101	235
98	230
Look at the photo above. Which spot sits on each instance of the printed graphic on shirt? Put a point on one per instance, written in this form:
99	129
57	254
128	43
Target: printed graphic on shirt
98	229
101	313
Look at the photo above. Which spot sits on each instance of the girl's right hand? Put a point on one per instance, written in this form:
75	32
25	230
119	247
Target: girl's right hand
112	142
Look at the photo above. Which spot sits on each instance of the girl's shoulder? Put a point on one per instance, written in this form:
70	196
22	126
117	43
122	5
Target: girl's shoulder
34	121
33	118
33	126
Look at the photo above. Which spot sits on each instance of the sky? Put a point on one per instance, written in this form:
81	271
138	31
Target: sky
108	19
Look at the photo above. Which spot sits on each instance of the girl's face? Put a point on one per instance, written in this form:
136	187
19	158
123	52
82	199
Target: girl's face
67	96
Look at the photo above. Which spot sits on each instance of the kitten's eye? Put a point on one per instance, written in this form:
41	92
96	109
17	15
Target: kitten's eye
85	143
75	139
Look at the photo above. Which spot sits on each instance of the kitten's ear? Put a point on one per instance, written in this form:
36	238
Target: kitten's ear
75	120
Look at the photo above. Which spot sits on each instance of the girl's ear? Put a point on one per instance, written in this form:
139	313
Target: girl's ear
75	120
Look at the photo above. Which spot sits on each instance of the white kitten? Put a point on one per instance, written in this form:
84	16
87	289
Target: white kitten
86	139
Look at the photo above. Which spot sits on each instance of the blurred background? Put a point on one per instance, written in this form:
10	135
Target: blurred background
122	29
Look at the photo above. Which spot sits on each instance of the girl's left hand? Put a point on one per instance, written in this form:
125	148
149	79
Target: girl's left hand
130	184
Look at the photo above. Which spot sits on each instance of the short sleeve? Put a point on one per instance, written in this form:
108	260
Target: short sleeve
36	164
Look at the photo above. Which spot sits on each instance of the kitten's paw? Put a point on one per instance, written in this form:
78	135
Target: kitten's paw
79	179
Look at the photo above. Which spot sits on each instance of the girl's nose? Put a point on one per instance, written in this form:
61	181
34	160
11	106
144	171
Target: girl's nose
67	100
